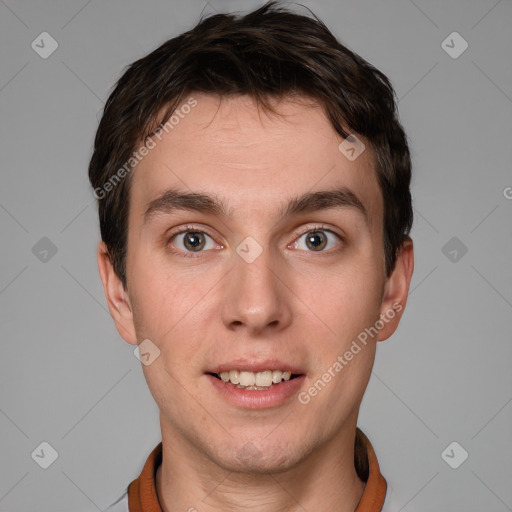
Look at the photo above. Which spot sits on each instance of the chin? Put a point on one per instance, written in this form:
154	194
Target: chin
257	458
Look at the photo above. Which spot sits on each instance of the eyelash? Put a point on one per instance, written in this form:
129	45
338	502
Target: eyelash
325	230
189	228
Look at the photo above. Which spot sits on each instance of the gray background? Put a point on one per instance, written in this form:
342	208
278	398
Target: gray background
67	378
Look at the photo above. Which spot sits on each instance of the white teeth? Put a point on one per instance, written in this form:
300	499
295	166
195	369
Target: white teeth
264	378
252	388
247	379
251	380
277	376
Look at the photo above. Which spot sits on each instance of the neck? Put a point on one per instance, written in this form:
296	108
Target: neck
326	480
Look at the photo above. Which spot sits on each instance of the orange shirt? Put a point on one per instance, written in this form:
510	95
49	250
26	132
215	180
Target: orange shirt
142	495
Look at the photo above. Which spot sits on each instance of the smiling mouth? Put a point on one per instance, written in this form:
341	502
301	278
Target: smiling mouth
255	381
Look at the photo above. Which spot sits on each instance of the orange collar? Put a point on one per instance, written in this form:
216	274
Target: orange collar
142	495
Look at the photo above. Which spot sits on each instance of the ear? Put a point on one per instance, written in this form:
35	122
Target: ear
117	296
396	290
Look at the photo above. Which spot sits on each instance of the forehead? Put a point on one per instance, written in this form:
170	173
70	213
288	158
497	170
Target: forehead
249	158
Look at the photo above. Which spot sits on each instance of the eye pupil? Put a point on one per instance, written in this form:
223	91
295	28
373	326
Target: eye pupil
194	240
316	240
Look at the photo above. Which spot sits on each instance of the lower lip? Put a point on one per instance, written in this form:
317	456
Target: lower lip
258	399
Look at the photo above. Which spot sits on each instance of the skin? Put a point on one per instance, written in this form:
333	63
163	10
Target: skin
292	303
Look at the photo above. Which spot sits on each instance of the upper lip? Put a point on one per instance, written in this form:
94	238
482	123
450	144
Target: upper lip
245	365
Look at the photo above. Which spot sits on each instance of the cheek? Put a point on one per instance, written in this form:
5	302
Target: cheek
346	301
161	298
169	310
348	305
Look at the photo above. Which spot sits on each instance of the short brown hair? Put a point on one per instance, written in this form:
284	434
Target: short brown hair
271	52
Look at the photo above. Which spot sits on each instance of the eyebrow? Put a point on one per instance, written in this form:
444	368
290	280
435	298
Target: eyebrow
341	197
174	199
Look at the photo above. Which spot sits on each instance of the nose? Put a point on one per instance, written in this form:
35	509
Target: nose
256	298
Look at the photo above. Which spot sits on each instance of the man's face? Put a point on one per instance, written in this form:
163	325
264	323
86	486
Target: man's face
253	285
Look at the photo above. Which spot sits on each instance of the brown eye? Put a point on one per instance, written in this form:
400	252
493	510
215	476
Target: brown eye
316	240
194	240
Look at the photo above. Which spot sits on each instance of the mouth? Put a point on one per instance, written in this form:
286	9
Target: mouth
249	384
255	381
